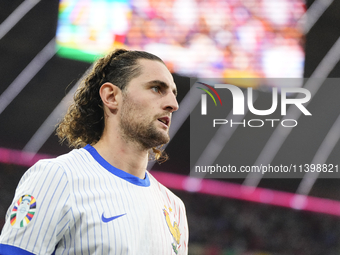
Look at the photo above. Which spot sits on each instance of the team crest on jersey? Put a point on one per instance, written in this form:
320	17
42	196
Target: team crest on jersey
23	211
174	230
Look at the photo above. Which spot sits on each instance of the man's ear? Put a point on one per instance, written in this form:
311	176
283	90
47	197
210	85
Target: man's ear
111	95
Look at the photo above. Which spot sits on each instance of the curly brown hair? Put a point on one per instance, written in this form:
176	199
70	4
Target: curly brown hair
84	121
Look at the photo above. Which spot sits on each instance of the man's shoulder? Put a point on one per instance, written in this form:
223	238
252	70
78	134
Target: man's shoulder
164	189
75	154
64	161
67	165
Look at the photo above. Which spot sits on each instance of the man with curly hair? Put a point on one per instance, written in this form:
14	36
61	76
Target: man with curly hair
99	198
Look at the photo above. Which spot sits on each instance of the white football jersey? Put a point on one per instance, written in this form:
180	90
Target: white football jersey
80	204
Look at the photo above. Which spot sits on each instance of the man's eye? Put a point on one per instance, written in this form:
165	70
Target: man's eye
156	89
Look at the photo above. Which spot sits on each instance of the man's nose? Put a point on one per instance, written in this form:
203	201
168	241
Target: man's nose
172	104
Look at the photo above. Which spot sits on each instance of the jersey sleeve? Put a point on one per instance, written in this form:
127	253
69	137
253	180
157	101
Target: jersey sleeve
39	215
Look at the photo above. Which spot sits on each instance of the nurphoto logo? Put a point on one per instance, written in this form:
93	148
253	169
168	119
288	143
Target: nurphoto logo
238	99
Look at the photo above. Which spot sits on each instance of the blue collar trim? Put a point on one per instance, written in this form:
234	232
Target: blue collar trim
117	172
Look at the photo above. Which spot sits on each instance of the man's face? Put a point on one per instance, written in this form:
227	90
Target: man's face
148	103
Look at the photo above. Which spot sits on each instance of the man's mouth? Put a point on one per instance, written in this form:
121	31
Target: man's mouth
165	120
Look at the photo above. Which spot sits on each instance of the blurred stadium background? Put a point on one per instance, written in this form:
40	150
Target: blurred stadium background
46	47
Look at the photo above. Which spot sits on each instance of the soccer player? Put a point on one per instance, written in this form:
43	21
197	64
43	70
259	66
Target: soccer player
99	198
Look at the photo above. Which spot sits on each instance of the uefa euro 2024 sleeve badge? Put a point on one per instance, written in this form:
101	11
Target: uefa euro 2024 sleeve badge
23	211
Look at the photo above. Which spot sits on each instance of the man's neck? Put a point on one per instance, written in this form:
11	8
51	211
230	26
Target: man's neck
123	155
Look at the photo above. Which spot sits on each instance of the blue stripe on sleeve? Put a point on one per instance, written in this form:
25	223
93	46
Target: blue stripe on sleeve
10	250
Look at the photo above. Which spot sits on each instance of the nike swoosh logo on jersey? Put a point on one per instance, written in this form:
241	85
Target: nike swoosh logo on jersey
112	218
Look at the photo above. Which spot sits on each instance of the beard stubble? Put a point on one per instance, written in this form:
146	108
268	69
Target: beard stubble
136	129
